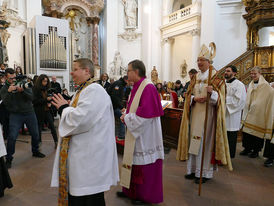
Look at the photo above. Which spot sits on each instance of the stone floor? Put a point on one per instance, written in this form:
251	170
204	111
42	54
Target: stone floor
249	184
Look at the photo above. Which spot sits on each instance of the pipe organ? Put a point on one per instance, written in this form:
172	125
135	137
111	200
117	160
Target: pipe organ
47	48
52	50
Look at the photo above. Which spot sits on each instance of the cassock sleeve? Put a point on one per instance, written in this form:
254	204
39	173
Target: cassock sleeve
90	108
135	124
236	101
214	97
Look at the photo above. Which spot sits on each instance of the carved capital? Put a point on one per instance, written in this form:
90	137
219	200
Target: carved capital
93	20
130	35
168	40
195	32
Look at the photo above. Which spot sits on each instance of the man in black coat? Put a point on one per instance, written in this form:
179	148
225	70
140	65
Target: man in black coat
116	92
56	85
191	74
57	89
104	81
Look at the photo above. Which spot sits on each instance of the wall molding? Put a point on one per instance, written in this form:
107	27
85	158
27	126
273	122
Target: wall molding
229	3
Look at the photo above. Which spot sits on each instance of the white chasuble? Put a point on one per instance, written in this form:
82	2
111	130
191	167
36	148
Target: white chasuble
197	127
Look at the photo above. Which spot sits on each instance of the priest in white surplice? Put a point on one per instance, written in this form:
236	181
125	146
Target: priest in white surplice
87	139
235	102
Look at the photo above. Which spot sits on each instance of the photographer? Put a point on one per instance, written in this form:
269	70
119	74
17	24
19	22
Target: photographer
18	101
41	103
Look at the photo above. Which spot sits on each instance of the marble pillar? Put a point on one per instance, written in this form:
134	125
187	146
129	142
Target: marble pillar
195	47
95	40
167	49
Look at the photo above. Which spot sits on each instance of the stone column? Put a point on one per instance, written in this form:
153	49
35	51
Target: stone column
89	37
95	44
95	40
195	46
166	55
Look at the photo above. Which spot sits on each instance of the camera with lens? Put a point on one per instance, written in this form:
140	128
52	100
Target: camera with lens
51	92
22	82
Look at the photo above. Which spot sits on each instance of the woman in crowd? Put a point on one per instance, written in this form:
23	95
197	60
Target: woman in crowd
5	181
172	96
161	91
19	71
41	103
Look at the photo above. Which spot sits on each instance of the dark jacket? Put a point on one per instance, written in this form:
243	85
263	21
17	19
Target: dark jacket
186	86
39	103
179	91
106	86
17	102
116	92
66	97
56	86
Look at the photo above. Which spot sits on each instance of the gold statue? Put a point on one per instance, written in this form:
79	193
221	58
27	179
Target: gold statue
183	68
71	14
154	75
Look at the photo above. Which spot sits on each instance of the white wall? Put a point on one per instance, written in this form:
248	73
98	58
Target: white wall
129	50
180	52
22	9
110	32
15	46
33	8
225	26
230	33
151	34
147	47
27	9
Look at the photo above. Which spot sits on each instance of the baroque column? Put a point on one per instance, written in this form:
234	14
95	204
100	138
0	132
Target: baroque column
95	43
166	55
195	46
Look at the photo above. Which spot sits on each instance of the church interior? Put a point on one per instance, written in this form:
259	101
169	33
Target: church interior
46	36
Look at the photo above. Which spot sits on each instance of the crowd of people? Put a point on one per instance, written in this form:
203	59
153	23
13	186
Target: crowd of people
214	110
25	102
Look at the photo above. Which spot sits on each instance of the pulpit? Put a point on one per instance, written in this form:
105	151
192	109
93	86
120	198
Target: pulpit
171	122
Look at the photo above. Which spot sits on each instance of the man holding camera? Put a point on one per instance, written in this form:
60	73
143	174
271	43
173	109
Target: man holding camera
18	102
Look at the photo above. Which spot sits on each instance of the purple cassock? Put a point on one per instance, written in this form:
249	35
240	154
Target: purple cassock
146	180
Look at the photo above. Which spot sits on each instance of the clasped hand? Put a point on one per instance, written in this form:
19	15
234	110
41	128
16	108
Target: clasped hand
203	99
